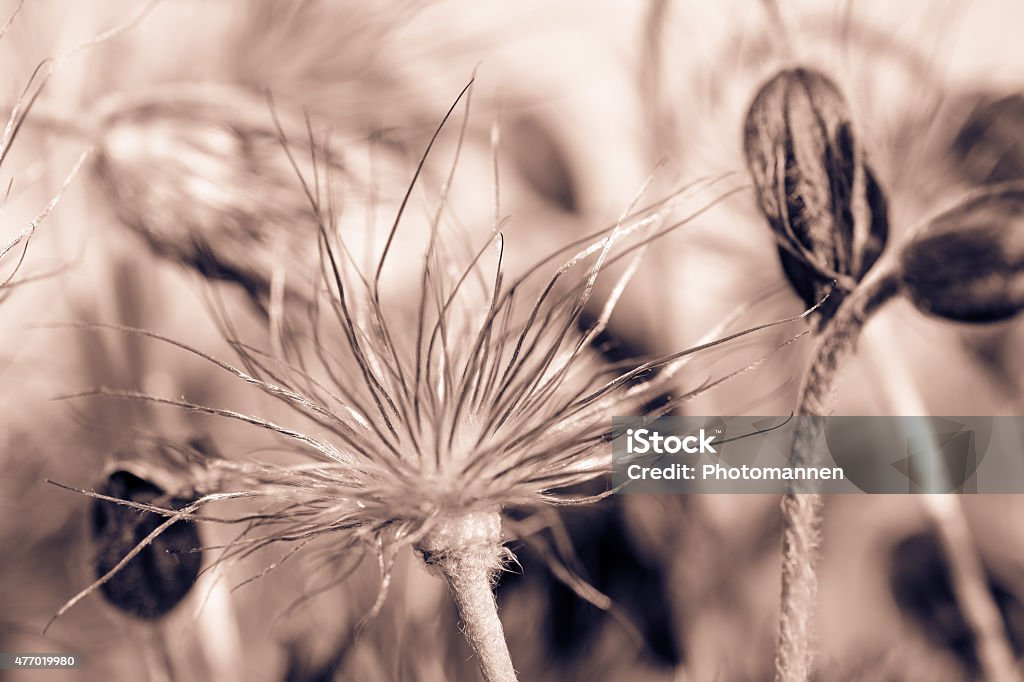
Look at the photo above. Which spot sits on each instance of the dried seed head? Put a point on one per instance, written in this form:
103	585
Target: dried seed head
989	146
489	396
422	428
204	182
203	175
153	582
968	264
814	185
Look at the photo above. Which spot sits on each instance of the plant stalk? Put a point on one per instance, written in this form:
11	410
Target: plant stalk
970	585
469	553
801	509
967	573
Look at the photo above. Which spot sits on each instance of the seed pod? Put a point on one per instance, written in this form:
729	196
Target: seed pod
968	264
989	146
814	185
158	578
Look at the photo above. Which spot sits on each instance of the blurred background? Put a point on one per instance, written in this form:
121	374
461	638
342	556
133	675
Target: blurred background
589	99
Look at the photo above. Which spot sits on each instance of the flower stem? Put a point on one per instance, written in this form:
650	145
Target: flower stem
468	551
801	510
801	514
970	586
471	586
967	572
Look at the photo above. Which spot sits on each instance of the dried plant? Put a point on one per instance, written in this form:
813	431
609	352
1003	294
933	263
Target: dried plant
434	416
13	126
821	200
815	186
421	391
198	171
829	215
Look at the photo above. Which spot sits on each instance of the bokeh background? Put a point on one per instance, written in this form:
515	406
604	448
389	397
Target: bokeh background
589	99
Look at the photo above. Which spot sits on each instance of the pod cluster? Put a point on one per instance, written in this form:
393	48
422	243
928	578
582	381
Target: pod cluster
828	211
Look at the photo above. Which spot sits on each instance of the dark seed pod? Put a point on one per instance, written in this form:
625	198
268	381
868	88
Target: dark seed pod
814	185
158	578
968	264
989	146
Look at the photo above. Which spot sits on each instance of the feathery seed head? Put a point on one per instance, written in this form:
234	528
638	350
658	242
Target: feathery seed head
424	416
482	395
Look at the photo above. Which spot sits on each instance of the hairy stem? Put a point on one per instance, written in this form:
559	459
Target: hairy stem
468	551
801	509
471	586
801	537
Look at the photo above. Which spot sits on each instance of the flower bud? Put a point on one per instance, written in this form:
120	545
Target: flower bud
988	146
157	578
968	264
814	185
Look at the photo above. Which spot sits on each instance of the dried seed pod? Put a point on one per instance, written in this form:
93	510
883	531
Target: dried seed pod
989	146
158	577
968	264
814	185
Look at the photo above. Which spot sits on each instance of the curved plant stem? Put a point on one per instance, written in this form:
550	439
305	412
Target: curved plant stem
468	551
967	572
970	585
801	509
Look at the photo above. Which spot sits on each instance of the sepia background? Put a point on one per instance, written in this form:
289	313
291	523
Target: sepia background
581	103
